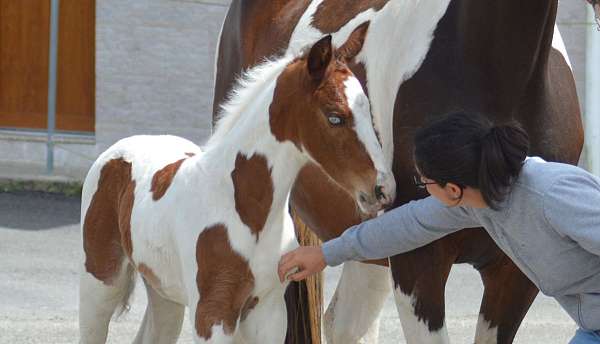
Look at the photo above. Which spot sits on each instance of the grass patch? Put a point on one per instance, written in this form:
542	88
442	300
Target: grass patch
71	189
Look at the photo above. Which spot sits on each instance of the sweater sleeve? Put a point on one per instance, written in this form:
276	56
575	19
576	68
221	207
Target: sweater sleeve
572	208
400	230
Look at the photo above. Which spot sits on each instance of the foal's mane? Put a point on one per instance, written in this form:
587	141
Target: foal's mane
247	88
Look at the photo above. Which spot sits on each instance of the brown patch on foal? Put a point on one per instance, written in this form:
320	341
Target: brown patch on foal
224	280
149	276
107	223
253	190
331	16
162	178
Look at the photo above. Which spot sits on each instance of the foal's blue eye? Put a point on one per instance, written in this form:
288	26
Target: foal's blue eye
335	120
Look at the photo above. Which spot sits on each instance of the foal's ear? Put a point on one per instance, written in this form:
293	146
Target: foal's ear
354	44
319	58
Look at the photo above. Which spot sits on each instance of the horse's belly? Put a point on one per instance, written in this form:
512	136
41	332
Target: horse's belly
165	236
160	242
166	282
157	259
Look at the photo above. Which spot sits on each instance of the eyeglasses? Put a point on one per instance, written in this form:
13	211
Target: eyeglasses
420	184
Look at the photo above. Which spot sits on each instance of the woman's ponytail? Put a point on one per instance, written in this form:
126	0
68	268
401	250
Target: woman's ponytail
503	150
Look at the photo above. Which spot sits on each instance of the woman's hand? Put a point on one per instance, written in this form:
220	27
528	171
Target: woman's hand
308	259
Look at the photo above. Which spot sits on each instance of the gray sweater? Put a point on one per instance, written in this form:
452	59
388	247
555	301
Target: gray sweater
549	225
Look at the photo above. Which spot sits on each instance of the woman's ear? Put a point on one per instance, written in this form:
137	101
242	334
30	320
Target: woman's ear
454	191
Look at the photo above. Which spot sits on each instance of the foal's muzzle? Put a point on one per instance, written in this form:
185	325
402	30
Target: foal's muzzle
381	197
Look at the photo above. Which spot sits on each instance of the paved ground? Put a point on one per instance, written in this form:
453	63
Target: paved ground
39	255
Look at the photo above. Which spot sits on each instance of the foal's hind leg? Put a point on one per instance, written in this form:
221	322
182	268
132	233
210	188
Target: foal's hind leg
98	301
162	320
353	314
507	297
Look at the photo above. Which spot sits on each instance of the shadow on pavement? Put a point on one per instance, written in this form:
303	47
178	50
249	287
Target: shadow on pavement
37	210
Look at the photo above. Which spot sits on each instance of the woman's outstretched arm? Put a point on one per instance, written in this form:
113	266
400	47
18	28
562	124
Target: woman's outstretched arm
403	229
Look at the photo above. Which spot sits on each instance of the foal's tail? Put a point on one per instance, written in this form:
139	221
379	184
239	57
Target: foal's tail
124	304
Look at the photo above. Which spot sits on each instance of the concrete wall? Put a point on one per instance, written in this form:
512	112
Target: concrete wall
154	75
571	23
154	67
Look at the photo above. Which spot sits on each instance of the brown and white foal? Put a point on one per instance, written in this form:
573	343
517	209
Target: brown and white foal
205	228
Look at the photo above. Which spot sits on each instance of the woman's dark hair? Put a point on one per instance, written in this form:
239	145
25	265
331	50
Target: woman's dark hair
468	150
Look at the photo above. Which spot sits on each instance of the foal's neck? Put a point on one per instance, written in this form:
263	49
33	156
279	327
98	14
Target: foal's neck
249	149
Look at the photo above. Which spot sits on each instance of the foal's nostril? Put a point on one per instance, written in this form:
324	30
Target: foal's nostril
379	193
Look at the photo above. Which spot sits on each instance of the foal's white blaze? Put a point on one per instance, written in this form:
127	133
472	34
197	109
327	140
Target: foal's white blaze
416	330
485	333
359	104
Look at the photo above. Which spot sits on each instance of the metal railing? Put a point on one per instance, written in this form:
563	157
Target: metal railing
54	15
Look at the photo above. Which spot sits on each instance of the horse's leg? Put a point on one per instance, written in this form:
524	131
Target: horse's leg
507	297
217	335
419	279
98	301
265	321
162	320
353	313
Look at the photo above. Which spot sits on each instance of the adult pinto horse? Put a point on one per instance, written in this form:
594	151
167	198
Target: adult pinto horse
422	59
206	228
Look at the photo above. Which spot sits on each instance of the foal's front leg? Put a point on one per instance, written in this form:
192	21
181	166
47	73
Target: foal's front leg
215	316
265	319
220	289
